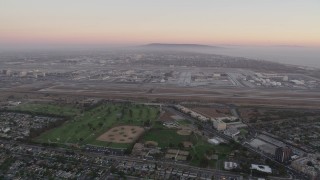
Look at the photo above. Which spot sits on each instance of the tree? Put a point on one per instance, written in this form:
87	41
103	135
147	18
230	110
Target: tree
309	163
121	174
100	124
89	125
180	145
113	169
204	162
189	157
171	145
209	152
282	170
128	150
147	123
148	112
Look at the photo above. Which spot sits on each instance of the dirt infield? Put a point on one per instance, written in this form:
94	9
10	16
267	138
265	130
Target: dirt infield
151	143
122	134
184	132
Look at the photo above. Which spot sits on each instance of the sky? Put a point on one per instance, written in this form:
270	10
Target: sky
232	22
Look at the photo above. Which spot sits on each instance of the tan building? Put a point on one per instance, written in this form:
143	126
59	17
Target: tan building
219	125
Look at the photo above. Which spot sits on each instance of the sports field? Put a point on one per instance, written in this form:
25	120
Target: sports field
86	127
173	138
166	137
122	134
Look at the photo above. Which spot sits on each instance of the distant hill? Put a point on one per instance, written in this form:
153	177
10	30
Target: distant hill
178	46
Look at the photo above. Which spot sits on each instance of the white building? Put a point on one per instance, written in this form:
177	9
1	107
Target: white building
14	103
297	82
8	72
5	130
23	73
213	141
261	168
228	118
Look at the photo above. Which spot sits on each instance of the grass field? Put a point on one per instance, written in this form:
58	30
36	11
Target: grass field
48	109
86	127
200	149
184	122
243	132
165	136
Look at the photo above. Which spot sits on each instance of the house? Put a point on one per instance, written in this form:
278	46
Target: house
230	165
232	132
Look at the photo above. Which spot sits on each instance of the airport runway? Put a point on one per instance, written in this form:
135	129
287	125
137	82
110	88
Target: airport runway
240	96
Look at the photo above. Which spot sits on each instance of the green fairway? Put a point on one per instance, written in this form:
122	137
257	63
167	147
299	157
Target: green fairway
86	127
48	109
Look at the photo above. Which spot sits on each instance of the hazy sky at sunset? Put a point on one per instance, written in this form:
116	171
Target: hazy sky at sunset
249	22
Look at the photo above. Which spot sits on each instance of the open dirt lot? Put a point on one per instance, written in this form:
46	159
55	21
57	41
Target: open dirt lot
212	112
167	116
122	134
